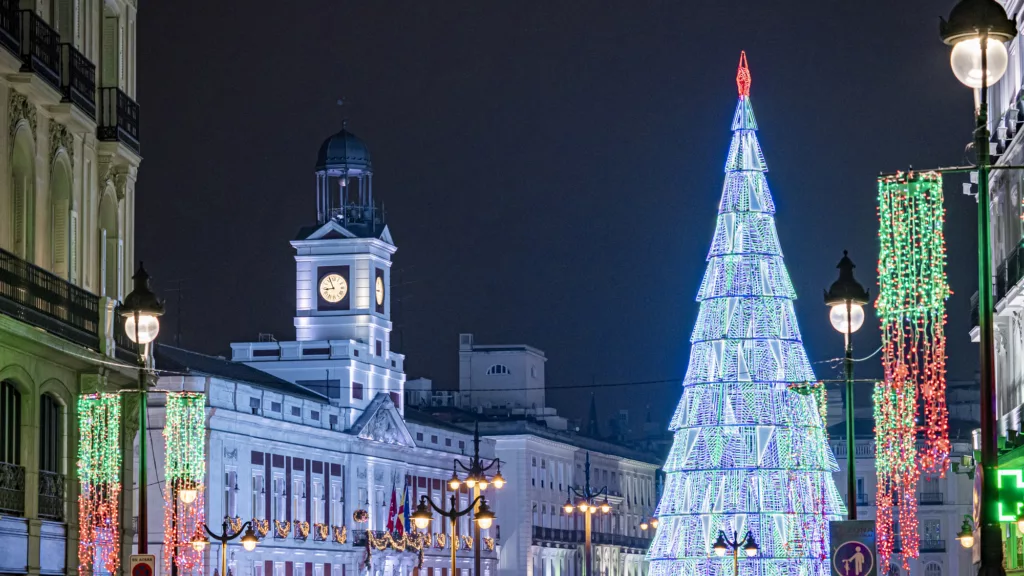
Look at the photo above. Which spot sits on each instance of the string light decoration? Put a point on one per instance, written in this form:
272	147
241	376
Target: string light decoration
912	309
750	450
185	469
99	470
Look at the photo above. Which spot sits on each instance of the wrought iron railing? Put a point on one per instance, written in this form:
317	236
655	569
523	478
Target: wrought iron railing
12	489
975	319
579	536
863	500
1008	273
930	498
119	118
45	300
40	48
77	79
933	546
10	26
51	495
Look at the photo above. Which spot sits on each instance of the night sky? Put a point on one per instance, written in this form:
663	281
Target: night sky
551	170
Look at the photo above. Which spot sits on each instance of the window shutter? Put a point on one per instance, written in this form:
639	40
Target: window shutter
104	281
19	220
109	56
60	239
119	265
73	248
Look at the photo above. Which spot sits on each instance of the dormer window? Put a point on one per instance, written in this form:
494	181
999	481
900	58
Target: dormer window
498	369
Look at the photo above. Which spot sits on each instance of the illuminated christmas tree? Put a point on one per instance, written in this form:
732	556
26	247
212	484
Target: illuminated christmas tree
750	452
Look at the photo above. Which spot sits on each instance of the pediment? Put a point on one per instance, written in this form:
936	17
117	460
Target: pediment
331	229
381	422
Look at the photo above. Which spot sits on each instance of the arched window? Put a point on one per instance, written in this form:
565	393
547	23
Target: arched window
10	423
23	196
498	369
933	569
51	459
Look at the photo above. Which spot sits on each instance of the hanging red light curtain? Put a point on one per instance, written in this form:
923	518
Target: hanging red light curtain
99	471
185	470
912	309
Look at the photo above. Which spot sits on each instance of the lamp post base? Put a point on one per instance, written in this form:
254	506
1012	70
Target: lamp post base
991	551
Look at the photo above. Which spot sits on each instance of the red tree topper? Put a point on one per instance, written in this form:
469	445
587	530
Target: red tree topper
743	75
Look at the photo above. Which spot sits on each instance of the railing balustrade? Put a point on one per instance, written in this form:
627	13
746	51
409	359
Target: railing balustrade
119	118
51	496
77	79
40	48
12	489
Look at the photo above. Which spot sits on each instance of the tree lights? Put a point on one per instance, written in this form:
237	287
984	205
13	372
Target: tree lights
912	309
185	461
99	470
750	452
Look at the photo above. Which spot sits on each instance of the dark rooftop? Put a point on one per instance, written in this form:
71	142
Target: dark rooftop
184	361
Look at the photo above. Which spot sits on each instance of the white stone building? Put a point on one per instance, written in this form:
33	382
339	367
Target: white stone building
302	433
69	156
501	391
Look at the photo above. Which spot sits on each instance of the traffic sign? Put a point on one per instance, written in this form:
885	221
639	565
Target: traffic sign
853	548
142	565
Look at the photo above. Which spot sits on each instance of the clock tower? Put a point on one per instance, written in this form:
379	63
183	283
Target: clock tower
342	345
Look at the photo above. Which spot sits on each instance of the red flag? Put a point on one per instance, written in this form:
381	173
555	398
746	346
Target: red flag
393	511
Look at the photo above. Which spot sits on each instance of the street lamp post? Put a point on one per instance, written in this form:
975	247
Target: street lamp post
847	298
587	505
977	31
482	518
724	543
476	480
249	541
141	311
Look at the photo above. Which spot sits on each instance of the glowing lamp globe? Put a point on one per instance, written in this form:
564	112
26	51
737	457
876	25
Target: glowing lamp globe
965	60
720	548
471	481
199	540
422	517
141	310
484	517
840	321
643	525
567	507
654	523
751	547
606	507
453	482
967	541
482	484
188	495
249	539
498	480
966	534
144	331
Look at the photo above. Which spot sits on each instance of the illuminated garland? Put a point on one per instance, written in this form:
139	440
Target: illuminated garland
301	529
185	469
912	309
340	534
321	531
261	526
750	449
99	471
282	529
236	524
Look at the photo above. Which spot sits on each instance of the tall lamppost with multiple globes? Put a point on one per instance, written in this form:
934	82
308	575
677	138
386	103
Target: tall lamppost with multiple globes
482	518
476	480
141	311
847	298
724	543
587	504
249	541
978	30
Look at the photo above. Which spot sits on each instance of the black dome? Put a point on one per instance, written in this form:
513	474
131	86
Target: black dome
343	150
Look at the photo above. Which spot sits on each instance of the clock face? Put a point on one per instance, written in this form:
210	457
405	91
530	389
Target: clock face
380	291
333	288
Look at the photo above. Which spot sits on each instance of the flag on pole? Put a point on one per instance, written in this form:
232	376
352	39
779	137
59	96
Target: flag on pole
393	511
405	512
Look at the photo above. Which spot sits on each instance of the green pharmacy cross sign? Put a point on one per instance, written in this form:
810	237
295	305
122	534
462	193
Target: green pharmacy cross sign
1011	494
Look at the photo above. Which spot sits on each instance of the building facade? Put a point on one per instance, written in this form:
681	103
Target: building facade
501	391
302	434
69	159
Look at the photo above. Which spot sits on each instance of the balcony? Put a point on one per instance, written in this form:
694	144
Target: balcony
40	48
863	500
44	300
1008	274
933	546
119	119
51	496
77	80
930	498
566	536
12	489
10	26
